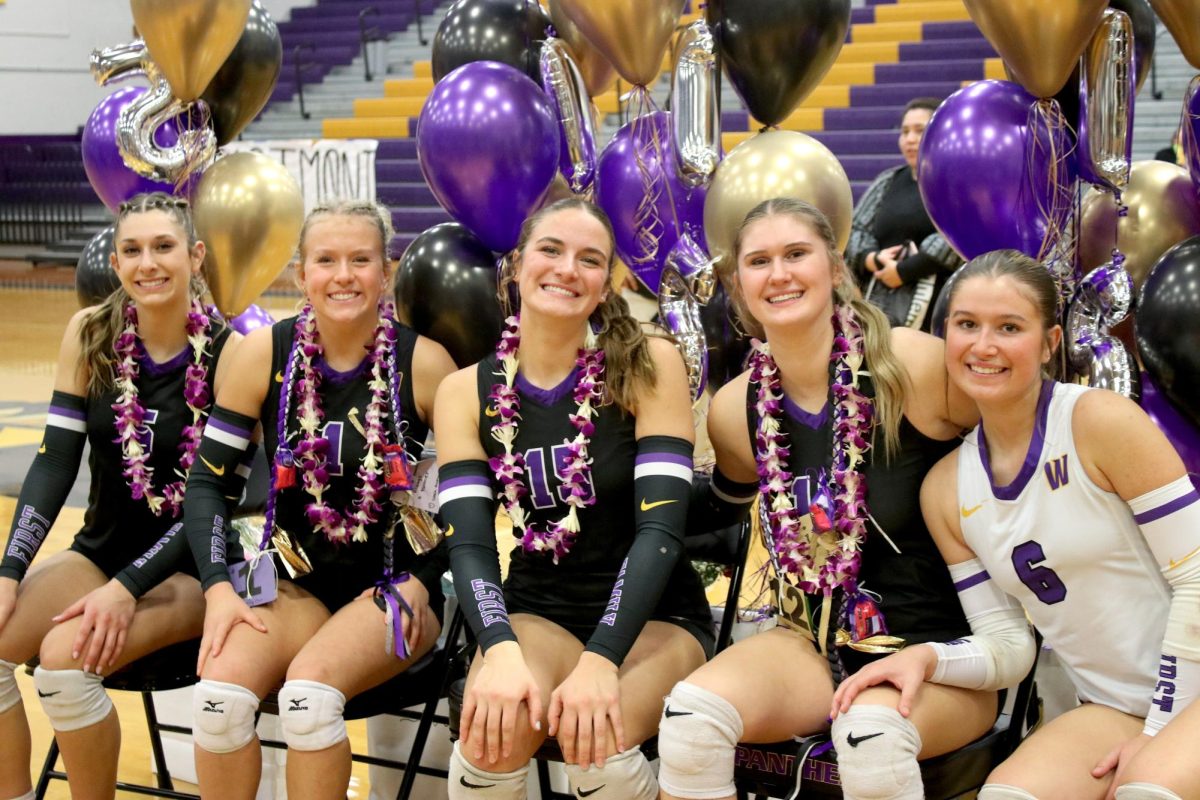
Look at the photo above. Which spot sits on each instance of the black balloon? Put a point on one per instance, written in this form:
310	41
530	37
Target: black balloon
727	345
1142	17
508	31
245	81
95	278
446	290
776	53
1167	326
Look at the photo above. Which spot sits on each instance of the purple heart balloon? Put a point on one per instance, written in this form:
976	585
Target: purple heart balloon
113	181
645	243
986	172
488	145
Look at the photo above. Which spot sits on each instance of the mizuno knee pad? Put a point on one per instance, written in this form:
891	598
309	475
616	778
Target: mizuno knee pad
877	754
1002	791
311	715
222	716
696	740
72	699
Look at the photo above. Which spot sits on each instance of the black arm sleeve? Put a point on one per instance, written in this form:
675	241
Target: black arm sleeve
47	483
213	488
717	502
167	555
661	485
468	508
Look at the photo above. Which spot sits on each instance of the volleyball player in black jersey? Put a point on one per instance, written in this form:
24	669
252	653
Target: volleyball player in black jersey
343	393
135	380
587	425
836	425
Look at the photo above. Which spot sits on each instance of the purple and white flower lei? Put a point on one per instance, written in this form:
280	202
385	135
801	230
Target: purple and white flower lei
510	467
311	452
821	561
130	421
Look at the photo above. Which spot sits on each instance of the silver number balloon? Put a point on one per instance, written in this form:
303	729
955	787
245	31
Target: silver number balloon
138	122
564	84
1106	91
687	267
694	266
118	63
694	105
1101	301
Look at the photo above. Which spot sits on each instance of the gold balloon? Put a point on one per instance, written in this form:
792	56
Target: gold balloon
631	34
1163	211
1040	40
598	74
248	210
775	164
190	39
1182	18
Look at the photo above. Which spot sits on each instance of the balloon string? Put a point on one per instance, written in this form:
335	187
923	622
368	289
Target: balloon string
199	120
645	219
1046	116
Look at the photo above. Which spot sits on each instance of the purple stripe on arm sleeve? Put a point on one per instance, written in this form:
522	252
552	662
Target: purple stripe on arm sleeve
466	480
63	411
225	427
973	580
1166	508
673	458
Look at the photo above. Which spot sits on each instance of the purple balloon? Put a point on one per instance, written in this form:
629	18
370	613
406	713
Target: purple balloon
488	145
1190	123
113	181
678	208
1174	424
252	318
985	170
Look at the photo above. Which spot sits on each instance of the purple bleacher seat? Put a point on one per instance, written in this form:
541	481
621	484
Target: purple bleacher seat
947	49
415	220
890	94
864	142
405	194
862	16
930	71
738	120
954	29
397	172
396	149
856	118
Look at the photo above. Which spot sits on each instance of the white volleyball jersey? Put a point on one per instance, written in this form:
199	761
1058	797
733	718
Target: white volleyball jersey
1072	555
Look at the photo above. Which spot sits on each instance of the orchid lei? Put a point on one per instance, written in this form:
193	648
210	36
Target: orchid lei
312	450
829	557
509	467
130	421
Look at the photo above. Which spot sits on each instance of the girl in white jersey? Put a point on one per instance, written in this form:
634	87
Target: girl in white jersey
1069	502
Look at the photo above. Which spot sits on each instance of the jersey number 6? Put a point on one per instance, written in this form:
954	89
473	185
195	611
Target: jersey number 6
1042	581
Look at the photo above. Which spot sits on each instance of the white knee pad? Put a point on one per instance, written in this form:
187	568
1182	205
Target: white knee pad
1145	791
1002	791
71	698
697	736
877	754
222	716
30	795
311	715
468	782
10	695
625	776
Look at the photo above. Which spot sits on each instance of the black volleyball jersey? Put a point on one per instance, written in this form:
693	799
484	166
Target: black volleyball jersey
116	528
352	566
918	600
577	589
